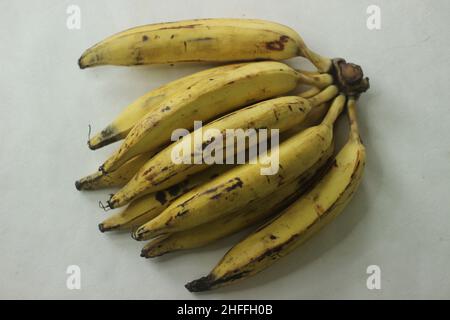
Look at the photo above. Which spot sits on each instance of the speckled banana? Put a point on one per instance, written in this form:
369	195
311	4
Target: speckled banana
161	171
298	222
118	178
251	215
125	121
243	184
207	99
218	40
149	206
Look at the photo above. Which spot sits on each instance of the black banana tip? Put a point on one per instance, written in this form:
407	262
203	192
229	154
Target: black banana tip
78	185
199	285
101	227
81	64
144	253
90	146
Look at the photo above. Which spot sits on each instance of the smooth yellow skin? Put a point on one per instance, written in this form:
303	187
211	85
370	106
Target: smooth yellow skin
206	100
149	206
298	222
218	40
118	178
161	172
125	121
252	214
239	186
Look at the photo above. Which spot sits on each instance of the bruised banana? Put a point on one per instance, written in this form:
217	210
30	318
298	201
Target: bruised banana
252	214
125	121
207	99
118	178
149	206
298	222
217	40
245	183
161	172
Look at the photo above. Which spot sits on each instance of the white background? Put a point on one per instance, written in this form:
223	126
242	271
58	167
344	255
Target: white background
399	219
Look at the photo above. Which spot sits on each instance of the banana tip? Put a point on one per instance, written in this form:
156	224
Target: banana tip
81	63
201	284
101	227
78	185
137	236
91	146
144	253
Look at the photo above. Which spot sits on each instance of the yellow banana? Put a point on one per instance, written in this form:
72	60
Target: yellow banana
252	214
309	93
125	121
161	171
149	206
217	40
239	186
298	222
206	100
118	178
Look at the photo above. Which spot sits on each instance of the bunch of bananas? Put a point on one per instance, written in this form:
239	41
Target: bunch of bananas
179	206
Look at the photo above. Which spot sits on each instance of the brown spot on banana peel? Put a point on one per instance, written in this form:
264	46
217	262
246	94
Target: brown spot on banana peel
237	184
275	114
277	45
188	26
200	39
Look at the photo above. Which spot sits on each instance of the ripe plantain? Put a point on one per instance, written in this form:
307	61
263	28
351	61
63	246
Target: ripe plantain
149	206
125	121
298	222
161	172
250	215
239	186
118	178
218	40
206	100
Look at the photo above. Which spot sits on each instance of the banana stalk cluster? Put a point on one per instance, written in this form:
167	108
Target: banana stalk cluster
184	205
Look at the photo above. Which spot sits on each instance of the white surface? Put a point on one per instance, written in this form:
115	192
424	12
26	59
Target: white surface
399	219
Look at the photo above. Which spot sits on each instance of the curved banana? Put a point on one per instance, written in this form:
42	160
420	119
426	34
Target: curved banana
238	187
252	214
298	222
161	171
149	206
125	121
206	100
118	178
216	40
